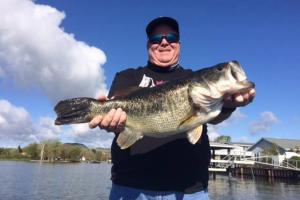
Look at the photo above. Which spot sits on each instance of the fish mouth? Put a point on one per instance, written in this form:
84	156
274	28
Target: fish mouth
246	85
237	71
240	87
238	74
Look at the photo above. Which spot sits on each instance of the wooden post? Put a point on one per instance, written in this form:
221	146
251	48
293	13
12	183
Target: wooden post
214	164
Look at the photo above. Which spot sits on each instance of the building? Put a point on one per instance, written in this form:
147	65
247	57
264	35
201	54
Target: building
234	149
278	149
225	155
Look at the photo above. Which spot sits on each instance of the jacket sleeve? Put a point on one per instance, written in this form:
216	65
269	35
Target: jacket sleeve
123	83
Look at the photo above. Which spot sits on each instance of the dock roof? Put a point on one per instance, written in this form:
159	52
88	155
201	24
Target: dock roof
284	143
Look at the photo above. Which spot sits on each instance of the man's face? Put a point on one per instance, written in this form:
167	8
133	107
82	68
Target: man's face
163	54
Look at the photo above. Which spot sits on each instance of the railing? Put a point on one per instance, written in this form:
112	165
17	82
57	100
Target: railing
229	161
285	164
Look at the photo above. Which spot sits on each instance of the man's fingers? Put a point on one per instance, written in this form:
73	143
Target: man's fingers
107	119
243	99
95	121
113	121
123	118
102	98
122	121
252	92
246	97
238	98
116	118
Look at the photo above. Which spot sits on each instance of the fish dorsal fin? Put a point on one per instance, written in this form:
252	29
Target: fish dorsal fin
195	134
127	138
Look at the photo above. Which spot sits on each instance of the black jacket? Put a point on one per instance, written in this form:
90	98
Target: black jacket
176	165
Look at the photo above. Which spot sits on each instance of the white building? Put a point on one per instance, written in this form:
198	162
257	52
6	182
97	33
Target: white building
280	149
235	149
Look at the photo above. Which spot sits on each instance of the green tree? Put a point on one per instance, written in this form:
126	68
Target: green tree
55	147
296	158
64	152
33	151
88	154
98	155
223	138
75	153
272	151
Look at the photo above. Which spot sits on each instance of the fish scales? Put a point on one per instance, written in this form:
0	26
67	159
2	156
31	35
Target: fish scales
163	114
168	119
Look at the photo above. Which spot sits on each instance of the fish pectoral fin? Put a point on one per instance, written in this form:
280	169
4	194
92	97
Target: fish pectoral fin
127	138
195	134
191	121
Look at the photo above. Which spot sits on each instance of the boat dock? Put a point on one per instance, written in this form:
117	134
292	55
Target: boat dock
251	165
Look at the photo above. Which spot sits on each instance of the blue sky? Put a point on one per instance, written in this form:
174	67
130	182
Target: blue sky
105	37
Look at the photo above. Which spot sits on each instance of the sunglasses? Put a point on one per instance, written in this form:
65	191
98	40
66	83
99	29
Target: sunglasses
157	38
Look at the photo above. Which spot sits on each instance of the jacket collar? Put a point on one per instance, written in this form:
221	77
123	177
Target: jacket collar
157	68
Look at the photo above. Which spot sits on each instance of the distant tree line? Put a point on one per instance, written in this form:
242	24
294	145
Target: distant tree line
55	151
11	154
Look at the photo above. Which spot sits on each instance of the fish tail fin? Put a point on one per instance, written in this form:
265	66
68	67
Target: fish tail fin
73	111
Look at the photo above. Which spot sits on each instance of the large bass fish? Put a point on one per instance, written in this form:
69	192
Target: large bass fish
179	106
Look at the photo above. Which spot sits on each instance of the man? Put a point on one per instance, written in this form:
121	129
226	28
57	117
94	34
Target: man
167	167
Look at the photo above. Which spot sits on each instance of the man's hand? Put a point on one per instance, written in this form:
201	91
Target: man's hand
233	101
239	99
113	121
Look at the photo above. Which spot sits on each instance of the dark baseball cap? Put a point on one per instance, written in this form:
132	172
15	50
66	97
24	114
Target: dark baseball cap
162	20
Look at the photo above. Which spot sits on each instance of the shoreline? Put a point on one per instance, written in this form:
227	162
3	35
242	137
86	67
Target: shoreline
54	162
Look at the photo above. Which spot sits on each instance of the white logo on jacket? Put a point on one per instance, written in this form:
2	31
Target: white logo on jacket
147	82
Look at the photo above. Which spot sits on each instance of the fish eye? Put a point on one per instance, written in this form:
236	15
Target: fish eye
220	67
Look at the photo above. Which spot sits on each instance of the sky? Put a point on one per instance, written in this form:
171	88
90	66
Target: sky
52	50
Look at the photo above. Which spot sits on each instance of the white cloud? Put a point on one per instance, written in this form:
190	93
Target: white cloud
244	139
264	123
1	72
213	132
236	116
17	128
46	130
15	122
36	52
81	133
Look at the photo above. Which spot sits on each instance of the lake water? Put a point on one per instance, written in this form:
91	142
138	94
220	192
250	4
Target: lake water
32	181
